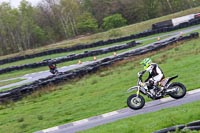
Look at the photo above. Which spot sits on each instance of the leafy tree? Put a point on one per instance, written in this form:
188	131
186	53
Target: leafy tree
114	21
87	23
150	8
9	23
39	35
27	25
99	8
48	20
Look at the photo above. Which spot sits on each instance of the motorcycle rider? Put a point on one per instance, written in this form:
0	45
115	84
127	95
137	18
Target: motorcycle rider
52	66
155	73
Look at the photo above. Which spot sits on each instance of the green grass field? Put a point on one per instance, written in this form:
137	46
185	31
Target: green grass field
99	93
3	83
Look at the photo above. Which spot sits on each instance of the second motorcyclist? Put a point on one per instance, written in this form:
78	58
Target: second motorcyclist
52	66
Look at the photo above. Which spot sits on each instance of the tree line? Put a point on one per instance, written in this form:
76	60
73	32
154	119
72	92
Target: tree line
28	27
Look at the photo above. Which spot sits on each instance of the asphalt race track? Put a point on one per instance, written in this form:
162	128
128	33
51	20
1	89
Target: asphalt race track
43	74
123	113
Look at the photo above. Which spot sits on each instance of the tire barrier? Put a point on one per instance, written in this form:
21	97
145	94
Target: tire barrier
195	125
163	24
184	21
161	29
71	57
19	92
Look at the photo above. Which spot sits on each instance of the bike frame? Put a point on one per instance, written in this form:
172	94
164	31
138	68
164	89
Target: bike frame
140	88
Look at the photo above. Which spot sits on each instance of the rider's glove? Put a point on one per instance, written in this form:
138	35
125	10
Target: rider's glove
142	84
141	73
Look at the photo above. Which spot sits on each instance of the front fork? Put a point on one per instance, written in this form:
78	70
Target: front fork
138	91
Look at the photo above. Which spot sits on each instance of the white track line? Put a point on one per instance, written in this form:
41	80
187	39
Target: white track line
193	91
80	122
110	114
50	129
166	99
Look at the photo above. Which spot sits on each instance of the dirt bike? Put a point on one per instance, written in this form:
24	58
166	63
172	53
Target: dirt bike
52	66
54	70
175	90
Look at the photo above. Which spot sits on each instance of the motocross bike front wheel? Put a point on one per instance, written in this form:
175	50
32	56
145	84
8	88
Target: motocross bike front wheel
180	90
135	102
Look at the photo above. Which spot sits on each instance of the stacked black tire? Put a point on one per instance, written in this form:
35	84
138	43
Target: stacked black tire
192	126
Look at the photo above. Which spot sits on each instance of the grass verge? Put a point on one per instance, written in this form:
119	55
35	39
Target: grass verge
3	83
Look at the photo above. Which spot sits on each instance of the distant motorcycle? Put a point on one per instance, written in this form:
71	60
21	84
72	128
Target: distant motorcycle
175	90
53	69
52	66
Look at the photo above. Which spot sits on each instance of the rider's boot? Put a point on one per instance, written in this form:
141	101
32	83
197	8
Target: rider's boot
160	91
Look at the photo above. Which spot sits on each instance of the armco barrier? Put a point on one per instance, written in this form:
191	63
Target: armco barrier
19	92
192	22
71	57
195	125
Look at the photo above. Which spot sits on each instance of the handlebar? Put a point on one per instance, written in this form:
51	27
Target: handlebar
140	74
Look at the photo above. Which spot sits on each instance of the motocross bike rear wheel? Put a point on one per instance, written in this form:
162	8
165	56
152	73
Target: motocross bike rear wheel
180	90
135	102
55	71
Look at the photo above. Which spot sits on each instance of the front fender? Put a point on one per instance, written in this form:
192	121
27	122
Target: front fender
132	89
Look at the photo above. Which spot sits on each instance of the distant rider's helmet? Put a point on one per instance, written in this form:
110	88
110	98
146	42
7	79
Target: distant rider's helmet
146	62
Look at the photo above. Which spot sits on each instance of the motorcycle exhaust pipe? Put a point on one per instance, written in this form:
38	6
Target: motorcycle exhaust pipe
171	90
